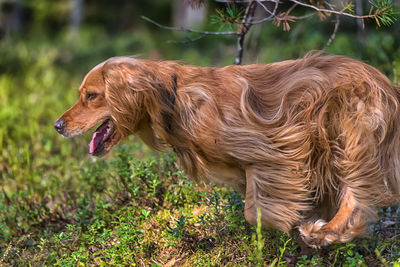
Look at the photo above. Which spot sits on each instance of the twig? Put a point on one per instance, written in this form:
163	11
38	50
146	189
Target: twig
187	40
272	14
264	7
335	29
323	10
182	29
303	17
291	8
333	35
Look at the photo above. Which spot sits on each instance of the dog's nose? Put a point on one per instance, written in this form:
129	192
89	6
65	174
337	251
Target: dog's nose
59	125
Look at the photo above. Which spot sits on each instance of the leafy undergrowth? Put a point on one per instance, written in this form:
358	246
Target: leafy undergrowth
131	212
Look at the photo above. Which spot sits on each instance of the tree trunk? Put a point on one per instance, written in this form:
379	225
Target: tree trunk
76	17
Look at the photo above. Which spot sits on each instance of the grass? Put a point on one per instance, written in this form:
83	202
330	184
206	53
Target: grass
59	207
147	212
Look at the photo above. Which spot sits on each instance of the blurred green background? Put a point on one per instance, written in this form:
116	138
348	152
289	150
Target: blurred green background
50	189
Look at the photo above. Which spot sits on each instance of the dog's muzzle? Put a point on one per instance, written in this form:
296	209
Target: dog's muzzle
59	125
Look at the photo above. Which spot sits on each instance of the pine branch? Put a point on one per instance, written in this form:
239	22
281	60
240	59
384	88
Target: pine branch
381	11
382	6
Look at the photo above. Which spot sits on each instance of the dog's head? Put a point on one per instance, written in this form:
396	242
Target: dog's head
108	97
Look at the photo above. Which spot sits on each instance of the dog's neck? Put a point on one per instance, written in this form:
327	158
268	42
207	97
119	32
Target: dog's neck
170	101
149	137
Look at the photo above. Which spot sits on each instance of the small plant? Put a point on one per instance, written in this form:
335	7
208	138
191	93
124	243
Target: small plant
228	18
180	226
260	241
385	13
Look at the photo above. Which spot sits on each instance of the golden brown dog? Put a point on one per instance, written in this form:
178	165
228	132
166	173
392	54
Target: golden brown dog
312	143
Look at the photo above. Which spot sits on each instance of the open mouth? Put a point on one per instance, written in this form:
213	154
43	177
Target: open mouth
100	138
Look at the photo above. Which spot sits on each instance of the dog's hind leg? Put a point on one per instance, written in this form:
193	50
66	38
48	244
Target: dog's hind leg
351	220
356	163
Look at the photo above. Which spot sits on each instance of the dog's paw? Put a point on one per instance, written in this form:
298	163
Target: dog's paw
315	236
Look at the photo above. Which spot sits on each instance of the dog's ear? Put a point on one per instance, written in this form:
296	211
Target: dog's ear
160	95
123	95
136	88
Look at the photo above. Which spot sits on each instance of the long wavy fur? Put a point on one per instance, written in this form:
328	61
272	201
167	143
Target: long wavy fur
302	139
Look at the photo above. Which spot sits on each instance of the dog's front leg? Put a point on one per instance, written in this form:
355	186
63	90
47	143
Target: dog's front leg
277	208
250	210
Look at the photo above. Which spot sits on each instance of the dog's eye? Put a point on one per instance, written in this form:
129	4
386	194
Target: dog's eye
91	96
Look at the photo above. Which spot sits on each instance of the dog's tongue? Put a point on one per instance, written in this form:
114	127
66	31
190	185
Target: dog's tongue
97	137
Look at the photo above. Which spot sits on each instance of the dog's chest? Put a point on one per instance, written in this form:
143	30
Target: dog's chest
226	175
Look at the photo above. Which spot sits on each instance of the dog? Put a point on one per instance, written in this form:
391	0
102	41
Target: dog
313	144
